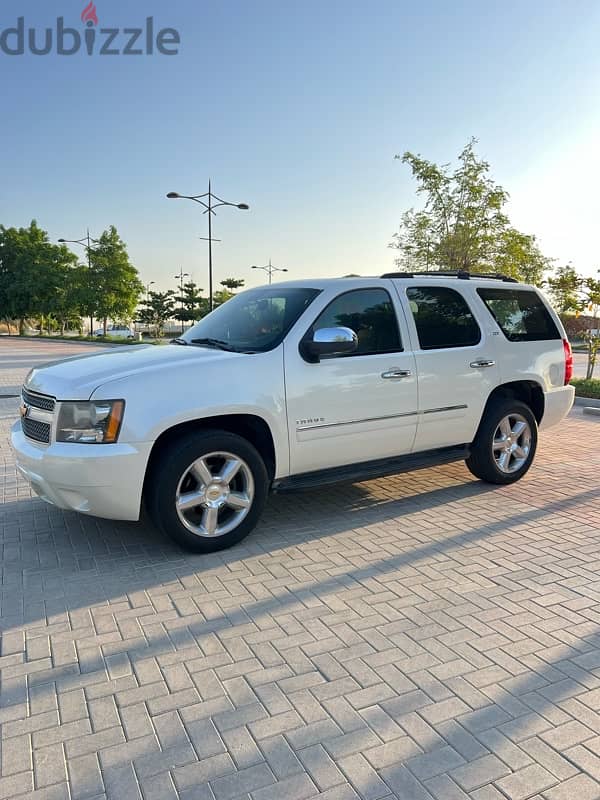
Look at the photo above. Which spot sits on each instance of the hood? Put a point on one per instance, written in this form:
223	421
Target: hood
76	378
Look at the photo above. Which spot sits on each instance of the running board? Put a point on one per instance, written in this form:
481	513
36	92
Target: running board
353	473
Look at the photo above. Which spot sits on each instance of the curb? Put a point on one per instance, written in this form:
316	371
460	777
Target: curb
592	410
51	339
590	402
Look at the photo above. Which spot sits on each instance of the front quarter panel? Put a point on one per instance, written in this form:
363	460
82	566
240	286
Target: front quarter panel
237	384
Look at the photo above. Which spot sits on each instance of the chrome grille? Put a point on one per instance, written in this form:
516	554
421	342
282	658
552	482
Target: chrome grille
36	430
43	401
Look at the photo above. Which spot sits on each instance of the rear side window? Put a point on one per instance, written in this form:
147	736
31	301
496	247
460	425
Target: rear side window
443	318
521	314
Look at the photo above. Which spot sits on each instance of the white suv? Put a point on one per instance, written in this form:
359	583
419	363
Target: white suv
297	385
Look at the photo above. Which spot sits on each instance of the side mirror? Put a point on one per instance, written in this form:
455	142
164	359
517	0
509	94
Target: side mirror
329	342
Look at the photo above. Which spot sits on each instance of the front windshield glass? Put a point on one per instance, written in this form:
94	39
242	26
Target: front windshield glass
254	321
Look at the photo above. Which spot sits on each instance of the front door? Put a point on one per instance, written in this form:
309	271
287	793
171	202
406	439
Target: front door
358	407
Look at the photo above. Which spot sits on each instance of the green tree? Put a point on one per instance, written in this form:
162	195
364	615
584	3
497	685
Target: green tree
463	225
221	296
32	273
56	297
591	296
591	302
192	306
157	309
232	284
66	303
519	256
115	281
564	289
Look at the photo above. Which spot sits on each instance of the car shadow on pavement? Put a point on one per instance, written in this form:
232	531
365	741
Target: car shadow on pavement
55	563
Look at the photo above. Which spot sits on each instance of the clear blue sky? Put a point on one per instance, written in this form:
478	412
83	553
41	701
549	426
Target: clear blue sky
298	110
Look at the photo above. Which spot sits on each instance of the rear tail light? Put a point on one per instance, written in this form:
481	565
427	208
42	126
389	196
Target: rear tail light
568	361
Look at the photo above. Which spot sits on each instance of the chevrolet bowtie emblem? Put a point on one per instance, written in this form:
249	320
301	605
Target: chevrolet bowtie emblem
24	410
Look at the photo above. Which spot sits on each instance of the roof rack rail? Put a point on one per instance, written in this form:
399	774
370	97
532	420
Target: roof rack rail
460	274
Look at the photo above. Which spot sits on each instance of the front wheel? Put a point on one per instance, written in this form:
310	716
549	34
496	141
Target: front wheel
505	444
207	490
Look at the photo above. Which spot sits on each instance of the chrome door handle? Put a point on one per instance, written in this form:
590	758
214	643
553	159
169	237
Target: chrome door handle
484	362
396	373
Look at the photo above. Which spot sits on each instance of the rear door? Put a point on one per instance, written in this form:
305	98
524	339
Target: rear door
456	360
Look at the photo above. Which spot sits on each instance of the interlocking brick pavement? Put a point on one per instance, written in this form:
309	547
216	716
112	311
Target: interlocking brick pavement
422	636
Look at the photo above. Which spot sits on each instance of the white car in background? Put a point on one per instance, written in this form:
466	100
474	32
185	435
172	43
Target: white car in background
116	331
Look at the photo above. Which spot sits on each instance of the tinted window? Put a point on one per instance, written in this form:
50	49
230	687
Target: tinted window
442	317
370	314
256	320
521	314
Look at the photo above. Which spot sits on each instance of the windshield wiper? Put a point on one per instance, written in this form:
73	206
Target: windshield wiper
218	343
179	340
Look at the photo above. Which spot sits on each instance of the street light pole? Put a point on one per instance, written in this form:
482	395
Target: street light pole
206	200
85	241
270	269
210	269
181	276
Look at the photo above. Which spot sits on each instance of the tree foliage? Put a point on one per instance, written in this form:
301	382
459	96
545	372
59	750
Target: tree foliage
221	296
157	309
591	302
591	296
463	224
231	284
36	276
41	280
564	289
191	305
571	294
114	280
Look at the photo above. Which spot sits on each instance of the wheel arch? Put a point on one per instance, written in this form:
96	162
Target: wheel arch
249	426
528	392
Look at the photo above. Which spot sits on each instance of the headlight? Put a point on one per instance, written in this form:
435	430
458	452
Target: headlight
95	422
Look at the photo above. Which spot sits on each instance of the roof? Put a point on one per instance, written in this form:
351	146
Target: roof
444	278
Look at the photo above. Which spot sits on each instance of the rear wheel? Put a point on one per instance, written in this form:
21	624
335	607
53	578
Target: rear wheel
207	490
505	444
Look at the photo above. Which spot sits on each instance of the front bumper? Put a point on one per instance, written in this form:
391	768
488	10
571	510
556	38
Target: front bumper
103	480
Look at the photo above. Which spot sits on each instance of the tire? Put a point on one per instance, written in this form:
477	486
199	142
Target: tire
495	457
227	476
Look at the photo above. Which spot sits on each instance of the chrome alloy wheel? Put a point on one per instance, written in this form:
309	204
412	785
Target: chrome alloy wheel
512	443
214	494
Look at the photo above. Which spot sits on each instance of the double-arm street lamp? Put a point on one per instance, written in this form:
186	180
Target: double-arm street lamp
270	269
86	242
207	201
181	276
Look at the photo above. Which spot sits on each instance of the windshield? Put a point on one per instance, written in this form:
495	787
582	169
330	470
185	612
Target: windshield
255	321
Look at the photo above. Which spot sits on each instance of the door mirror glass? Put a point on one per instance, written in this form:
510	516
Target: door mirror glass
332	342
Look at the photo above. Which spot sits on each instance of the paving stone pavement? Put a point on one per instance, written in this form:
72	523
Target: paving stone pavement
417	637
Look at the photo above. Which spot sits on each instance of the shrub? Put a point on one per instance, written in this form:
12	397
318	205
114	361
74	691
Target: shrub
587	388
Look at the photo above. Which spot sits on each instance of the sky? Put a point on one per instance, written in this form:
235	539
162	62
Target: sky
298	109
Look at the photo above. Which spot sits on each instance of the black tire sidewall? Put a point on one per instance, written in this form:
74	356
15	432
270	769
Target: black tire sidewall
171	465
481	461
